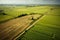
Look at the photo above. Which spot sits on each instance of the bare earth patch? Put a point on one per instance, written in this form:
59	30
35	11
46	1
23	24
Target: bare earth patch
12	28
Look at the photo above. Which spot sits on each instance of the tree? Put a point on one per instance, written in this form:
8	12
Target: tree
22	15
2	12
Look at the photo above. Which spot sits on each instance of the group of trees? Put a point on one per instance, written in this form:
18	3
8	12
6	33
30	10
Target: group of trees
2	12
32	18
22	15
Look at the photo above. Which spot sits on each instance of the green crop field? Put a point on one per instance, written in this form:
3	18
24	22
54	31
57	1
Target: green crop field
48	27
14	11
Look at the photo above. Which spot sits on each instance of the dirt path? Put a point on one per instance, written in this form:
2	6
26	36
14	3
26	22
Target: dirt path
12	28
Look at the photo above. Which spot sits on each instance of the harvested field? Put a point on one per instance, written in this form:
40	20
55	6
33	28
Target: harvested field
12	28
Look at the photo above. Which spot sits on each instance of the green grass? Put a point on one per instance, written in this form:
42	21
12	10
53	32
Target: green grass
45	29
14	11
48	28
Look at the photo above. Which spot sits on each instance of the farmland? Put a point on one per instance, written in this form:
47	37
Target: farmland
44	30
15	27
14	11
47	28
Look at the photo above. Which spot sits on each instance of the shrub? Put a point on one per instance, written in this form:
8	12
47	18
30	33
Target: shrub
22	15
2	12
32	13
52	9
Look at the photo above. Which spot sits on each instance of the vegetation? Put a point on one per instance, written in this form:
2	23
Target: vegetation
48	28
2	12
22	15
15	11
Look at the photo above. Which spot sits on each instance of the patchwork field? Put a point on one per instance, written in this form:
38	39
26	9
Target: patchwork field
14	11
9	30
47	28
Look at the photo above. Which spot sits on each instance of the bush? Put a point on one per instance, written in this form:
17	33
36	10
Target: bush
52	9
32	13
2	12
22	15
